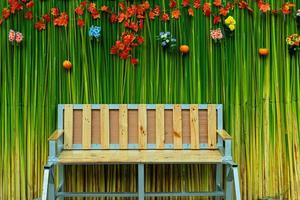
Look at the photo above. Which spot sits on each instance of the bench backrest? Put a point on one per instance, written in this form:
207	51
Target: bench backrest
140	126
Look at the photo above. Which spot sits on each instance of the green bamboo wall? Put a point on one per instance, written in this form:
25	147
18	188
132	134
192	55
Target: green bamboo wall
261	97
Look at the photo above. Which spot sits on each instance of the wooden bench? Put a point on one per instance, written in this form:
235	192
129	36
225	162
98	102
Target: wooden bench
140	134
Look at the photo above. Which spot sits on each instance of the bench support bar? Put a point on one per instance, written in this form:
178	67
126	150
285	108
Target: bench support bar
48	184
232	177
141	181
136	194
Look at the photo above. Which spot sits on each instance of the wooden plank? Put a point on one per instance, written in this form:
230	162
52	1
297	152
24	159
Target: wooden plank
140	156
194	126
212	125
177	127
104	126
142	125
55	135
224	135
68	126
86	126
123	127
160	126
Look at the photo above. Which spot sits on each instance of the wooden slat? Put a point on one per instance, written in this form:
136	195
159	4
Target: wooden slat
177	127
142	125
123	127
55	135
224	135
86	126
104	126
212	125
160	126
140	156
68	126
194	126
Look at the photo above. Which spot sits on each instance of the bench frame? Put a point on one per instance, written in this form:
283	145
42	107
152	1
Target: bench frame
223	144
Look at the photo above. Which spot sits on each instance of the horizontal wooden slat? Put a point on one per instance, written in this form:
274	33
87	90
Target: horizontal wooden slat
224	135
140	156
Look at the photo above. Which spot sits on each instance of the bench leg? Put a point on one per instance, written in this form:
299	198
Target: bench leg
61	179
48	184
219	177
141	182
229	178
236	182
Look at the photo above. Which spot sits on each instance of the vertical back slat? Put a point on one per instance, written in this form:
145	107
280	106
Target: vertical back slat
142	125
123	127
160	126
212	126
68	126
194	126
177	127
86	126
104	126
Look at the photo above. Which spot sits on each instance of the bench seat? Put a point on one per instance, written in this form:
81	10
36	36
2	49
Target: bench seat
139	156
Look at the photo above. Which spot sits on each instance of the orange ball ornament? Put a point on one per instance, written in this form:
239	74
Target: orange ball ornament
263	51
67	64
184	49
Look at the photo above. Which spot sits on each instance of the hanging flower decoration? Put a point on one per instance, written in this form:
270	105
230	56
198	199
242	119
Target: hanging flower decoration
216	34
67	64
293	42
123	48
15	37
184	49
166	40
229	26
95	32
263	51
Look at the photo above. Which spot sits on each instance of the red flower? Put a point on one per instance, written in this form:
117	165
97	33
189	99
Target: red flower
62	20
263	7
55	12
128	38
206	9
83	4
92	7
217	19
286	8
30	4
133	26
15	6
165	17
151	15
146	5
185	3
172	4
176	14
243	4
113	18
134	61
5	13
40	25
141	24
217	3
47	18
122	5
124	54
191	12
114	50
104	8
197	4
79	10
28	15
121	17
95	15
224	10
80	23
140	40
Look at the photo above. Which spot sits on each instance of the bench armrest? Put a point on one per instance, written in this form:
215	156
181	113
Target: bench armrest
224	135
56	135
